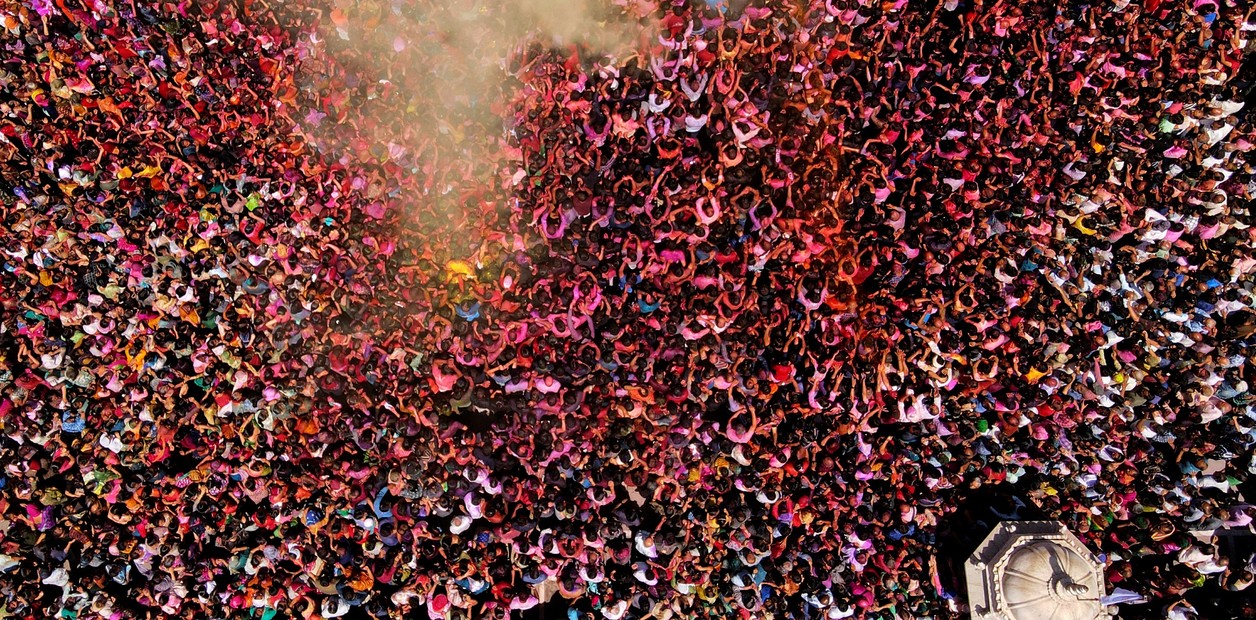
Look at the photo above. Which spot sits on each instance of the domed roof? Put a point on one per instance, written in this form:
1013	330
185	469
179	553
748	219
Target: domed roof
1045	581
1034	570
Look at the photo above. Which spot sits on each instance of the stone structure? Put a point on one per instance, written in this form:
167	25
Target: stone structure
1034	570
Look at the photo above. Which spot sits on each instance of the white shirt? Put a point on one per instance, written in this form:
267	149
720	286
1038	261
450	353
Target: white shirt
1218	133
1228	107
836	613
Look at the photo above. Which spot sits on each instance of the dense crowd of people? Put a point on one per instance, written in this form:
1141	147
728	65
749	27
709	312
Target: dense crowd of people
725	325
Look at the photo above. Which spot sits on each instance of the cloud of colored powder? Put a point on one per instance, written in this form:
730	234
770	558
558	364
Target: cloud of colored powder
427	87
